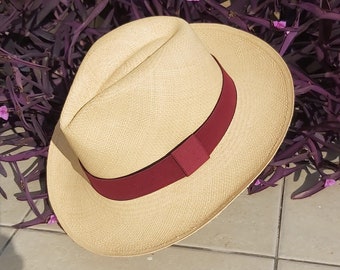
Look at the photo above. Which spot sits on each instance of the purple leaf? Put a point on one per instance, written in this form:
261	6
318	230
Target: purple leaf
318	12
278	174
289	38
3	194
320	185
99	8
2	170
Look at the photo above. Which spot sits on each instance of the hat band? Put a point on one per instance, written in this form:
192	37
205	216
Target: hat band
182	161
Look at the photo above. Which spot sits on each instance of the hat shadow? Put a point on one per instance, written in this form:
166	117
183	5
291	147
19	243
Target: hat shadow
9	258
61	143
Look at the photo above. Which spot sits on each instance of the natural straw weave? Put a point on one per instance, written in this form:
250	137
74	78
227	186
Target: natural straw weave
140	91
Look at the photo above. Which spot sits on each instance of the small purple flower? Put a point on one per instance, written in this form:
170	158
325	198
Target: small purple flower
329	182
52	220
279	24
257	182
4	112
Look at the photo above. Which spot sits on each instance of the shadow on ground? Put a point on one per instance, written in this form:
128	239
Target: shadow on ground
9	259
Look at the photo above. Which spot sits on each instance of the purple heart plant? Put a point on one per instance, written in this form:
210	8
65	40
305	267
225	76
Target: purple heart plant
44	42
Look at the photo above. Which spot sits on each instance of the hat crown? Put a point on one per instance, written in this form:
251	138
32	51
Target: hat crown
140	91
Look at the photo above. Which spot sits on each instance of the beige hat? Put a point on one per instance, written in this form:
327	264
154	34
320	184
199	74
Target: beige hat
165	124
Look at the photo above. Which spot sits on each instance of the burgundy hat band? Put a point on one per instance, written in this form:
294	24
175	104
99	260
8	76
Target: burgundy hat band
182	161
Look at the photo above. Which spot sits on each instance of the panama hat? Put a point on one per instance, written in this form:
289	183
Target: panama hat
165	124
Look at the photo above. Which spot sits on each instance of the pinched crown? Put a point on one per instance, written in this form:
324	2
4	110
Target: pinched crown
140	91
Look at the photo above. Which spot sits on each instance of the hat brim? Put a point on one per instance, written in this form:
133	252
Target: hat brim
149	223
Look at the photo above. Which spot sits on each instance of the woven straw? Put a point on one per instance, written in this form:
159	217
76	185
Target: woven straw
140	91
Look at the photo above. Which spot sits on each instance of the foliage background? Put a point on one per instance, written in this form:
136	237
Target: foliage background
42	44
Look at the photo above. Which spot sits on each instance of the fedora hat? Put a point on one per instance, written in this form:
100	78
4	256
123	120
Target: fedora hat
165	124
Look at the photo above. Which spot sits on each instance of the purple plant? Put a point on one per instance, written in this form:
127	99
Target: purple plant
44	42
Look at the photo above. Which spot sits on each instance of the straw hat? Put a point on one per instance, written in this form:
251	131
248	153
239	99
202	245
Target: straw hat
165	124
